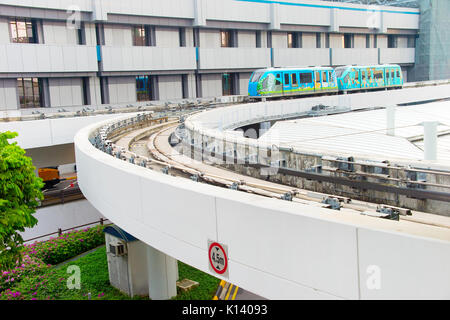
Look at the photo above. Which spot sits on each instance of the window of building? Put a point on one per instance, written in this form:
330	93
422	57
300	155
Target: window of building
143	92
196	36
294	39
318	40
182	37
392	41
139	38
367	40
184	86
144	36
348	40
30	92
23	31
269	39
104	90
228	84
375	41
258	39
327	40
85	91
411	42
225	39
81	34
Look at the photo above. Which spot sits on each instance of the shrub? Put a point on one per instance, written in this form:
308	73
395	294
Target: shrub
38	257
66	246
28	266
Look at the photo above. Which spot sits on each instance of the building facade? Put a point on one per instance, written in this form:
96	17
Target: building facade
89	52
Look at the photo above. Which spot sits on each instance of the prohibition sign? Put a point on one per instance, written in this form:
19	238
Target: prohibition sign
218	259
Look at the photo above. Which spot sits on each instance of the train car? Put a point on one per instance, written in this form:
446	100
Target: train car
279	82
352	78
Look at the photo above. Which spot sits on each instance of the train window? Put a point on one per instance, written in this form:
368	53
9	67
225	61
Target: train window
317	76
294	78
278	79
286	79
324	76
363	75
356	74
372	73
378	74
398	73
392	74
306	77
330	77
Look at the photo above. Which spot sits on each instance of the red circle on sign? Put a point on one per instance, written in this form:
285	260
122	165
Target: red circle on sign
224	254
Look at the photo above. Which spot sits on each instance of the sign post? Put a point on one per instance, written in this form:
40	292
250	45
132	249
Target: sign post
218	258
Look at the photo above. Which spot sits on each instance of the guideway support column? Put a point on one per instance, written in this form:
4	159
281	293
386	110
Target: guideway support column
162	275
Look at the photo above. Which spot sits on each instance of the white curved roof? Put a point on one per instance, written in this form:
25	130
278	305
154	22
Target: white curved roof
363	133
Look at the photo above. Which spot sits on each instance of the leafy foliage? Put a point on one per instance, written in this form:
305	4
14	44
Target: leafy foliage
66	246
20	190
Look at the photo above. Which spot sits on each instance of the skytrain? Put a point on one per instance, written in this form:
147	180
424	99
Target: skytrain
279	82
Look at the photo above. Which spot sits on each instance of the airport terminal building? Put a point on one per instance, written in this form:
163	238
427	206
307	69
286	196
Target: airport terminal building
65	53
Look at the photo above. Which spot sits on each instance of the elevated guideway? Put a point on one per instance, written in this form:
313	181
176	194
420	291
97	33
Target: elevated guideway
277	249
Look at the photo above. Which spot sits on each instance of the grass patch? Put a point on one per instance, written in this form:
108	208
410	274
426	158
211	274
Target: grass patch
207	284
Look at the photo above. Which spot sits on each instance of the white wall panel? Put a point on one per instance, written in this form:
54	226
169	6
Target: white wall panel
122	89
211	85
8	94
301	57
167	37
169	87
407	267
225	58
148	58
396	55
354	56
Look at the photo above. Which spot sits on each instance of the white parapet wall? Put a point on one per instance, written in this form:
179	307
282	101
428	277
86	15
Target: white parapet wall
277	249
62	216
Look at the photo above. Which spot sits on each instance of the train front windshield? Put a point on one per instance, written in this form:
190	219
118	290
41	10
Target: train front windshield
256	76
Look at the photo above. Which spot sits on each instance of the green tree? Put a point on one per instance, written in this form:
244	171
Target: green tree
20	190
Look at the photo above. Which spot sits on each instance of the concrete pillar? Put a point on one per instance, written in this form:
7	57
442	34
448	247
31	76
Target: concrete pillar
264	127
430	140
390	120
162	275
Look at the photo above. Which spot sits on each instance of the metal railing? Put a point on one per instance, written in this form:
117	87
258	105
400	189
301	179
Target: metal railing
61	231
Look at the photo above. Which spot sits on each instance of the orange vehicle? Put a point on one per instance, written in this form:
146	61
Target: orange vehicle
50	176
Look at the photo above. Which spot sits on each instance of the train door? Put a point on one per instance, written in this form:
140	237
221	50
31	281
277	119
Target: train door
324	80
357	83
286	83
294	82
387	78
317	81
331	80
363	78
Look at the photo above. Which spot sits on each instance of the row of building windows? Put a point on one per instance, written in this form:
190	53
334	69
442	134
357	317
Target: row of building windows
31	90
25	31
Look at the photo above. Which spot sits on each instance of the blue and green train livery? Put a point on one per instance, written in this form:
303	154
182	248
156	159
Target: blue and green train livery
277	82
369	77
292	81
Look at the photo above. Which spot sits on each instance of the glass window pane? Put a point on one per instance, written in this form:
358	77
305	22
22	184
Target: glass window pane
13	28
